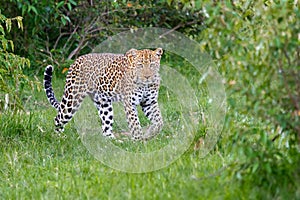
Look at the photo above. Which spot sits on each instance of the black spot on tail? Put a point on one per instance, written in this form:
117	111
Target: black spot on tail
48	87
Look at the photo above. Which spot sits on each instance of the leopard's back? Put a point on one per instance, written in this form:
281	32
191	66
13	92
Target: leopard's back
97	72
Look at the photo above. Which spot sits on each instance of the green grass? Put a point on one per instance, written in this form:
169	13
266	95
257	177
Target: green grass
38	164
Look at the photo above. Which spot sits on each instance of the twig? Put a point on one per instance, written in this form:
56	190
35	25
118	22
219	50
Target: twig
96	29
58	38
71	35
75	51
172	30
49	52
87	34
178	26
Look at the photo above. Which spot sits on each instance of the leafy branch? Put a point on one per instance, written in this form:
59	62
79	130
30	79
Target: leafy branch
11	68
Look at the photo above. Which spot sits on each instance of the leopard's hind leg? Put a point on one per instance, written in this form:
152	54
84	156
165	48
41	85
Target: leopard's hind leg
105	111
71	101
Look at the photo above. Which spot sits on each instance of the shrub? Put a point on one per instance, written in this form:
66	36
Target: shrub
12	78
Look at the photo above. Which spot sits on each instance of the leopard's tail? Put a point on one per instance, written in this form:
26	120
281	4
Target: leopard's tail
48	87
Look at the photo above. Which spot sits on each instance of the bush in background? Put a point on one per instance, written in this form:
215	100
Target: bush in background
12	78
256	45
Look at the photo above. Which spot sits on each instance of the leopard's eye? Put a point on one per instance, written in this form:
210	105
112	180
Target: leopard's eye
152	65
140	65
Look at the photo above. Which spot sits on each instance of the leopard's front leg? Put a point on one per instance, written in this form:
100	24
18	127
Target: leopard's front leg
132	119
152	112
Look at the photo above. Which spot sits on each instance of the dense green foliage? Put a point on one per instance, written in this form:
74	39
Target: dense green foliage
12	78
62	30
256	46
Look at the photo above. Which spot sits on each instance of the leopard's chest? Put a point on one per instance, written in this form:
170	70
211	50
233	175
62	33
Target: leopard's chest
136	96
142	94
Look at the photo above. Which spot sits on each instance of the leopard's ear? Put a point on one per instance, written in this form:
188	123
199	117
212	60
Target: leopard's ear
131	52
159	51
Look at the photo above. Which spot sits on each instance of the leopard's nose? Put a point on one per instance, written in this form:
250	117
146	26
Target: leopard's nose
147	76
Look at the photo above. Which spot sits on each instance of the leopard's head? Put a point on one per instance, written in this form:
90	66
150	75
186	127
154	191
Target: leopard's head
145	64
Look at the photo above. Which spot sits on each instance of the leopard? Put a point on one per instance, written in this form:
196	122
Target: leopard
131	78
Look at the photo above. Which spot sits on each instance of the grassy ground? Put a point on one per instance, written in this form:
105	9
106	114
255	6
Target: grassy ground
38	164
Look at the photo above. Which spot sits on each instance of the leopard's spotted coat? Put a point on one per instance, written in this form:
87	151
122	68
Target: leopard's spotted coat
132	78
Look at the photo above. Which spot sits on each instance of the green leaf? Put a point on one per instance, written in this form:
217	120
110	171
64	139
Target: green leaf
67	18
69	6
169	2
63	20
2	30
34	10
4	43
60	4
8	24
24	8
19	22
73	2
255	167
11	45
